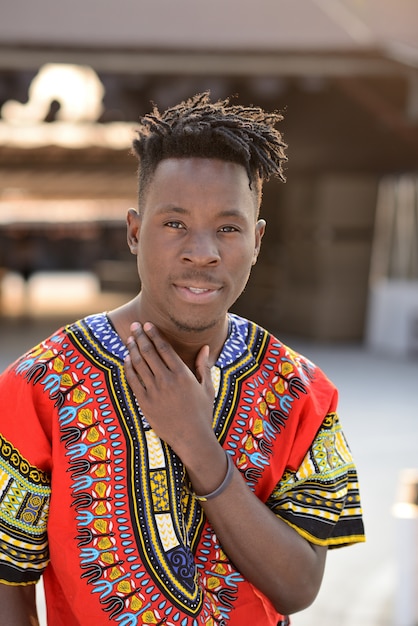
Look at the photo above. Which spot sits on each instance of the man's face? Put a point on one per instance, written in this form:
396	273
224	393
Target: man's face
196	240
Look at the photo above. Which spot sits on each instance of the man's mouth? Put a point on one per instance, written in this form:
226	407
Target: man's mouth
199	289
197	294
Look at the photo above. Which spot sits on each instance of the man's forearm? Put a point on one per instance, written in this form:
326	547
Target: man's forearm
18	605
266	550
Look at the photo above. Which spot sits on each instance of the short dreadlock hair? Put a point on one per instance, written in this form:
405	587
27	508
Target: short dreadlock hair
198	127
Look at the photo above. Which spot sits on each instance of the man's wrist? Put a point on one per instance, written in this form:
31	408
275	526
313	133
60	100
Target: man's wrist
223	485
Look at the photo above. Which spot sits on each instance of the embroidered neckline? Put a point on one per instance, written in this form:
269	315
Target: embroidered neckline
235	345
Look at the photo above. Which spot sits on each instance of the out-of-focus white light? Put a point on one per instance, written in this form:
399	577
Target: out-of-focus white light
76	88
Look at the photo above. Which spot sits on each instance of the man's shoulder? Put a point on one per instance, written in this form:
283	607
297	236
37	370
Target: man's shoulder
249	328
63	333
56	341
279	351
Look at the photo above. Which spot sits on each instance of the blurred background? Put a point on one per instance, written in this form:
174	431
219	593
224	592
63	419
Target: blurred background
75	77
338	272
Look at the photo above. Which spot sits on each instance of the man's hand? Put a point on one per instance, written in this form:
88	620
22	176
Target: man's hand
177	404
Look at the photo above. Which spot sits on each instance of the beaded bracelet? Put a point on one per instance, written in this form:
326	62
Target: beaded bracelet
224	484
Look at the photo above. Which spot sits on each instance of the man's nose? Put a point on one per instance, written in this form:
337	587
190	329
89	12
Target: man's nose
201	249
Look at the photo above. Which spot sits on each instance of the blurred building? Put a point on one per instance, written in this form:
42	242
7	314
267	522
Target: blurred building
344	73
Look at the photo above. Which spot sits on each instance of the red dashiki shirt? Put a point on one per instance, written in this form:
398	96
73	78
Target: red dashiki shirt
96	503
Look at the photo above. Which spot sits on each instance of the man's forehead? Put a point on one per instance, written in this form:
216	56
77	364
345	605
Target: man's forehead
183	173
188	163
192	166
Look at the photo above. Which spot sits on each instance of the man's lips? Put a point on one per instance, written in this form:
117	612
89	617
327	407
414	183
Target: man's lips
196	283
197	293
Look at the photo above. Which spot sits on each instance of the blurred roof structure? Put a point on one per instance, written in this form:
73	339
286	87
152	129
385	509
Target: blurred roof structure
270	36
361	55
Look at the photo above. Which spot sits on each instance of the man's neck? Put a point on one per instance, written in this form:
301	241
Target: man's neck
186	343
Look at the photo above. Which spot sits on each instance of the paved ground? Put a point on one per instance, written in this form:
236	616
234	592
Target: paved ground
379	410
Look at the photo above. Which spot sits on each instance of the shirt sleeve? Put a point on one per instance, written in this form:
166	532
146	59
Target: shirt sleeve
321	500
24	476
24	505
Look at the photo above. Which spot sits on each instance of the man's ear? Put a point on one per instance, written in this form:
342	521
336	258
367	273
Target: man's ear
260	229
133	226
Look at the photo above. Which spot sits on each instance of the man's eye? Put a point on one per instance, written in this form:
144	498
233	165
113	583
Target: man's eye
173	224
228	229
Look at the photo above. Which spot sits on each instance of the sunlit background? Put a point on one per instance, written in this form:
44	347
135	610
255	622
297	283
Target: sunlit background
75	78
339	264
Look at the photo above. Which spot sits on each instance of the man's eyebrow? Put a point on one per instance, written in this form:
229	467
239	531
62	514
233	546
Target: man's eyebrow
169	210
231	213
165	210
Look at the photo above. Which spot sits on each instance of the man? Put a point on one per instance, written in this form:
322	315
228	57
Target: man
169	462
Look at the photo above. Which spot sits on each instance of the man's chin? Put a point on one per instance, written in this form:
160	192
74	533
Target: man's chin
193	326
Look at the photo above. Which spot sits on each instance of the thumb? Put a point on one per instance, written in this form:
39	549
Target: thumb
203	368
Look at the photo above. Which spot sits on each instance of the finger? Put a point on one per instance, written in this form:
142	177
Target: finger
138	365
163	348
203	369
143	351
134	379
